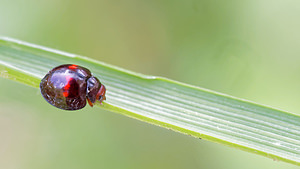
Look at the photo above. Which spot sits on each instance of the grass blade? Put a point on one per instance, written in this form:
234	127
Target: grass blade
174	105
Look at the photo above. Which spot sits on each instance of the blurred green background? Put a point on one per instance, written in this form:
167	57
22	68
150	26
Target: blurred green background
248	49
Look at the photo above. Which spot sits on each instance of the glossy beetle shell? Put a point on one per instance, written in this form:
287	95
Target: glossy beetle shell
69	86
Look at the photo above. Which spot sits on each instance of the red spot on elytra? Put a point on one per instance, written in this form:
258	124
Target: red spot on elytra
67	86
73	66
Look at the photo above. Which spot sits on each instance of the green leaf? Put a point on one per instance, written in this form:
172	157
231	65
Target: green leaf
184	108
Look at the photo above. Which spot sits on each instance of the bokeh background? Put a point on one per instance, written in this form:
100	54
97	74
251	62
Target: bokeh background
248	49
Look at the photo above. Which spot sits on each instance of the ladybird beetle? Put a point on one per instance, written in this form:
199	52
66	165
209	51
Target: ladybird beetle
69	86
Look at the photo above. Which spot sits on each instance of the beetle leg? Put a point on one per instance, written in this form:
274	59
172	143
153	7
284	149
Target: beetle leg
90	102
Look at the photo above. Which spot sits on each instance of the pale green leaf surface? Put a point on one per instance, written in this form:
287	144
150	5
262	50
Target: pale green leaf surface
174	105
